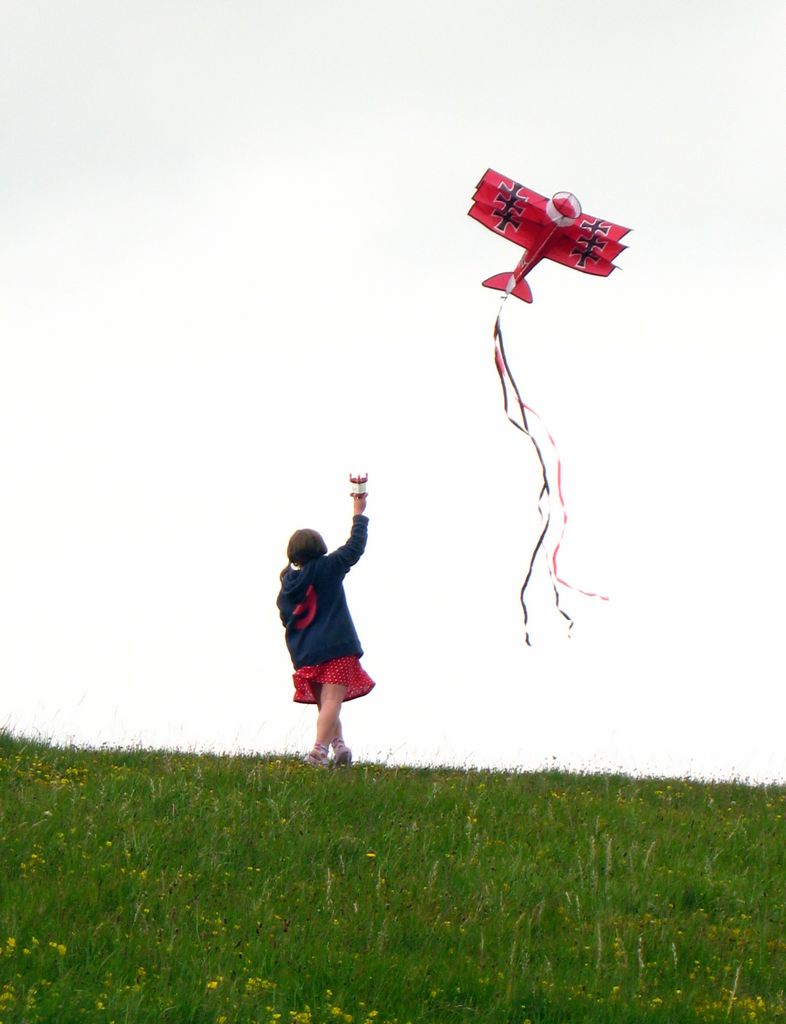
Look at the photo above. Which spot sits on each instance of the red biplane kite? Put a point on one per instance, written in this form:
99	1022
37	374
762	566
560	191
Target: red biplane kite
552	228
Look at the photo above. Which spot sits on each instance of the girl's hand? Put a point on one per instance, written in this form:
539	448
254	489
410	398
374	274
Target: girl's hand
359	502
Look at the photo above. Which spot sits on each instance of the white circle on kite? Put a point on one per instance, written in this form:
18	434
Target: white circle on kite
563	208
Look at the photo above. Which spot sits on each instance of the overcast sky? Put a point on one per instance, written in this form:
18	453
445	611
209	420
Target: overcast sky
236	265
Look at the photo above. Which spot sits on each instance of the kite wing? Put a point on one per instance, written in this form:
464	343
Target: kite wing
590	245
510	209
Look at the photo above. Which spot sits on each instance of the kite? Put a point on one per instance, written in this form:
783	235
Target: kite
558	230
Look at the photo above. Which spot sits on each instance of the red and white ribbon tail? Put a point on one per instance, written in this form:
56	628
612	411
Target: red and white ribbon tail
545	497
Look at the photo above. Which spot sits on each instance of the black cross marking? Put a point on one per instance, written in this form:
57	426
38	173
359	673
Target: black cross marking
591	243
512	208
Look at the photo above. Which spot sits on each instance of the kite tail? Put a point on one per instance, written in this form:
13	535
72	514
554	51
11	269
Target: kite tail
564	513
544	498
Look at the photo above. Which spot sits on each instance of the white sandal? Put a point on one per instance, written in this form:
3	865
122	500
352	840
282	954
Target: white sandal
342	755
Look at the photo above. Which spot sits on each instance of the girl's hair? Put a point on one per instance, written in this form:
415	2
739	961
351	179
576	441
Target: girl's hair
304	546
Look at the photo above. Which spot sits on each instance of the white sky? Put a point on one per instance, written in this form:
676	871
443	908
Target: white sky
236	265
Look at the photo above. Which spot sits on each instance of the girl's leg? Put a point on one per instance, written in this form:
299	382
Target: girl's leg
319	752
329	704
332	727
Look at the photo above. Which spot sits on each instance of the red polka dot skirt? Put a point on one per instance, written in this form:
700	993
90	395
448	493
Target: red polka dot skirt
339	671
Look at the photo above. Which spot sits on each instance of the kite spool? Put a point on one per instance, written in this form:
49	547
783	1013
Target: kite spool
358	483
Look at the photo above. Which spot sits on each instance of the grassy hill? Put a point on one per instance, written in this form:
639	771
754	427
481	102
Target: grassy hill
155	886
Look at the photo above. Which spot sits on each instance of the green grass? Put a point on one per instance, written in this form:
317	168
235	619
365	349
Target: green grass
155	886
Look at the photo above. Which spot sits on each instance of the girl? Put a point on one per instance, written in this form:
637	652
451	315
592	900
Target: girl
320	634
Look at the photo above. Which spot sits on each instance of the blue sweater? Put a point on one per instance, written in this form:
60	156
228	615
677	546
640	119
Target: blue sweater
313	606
